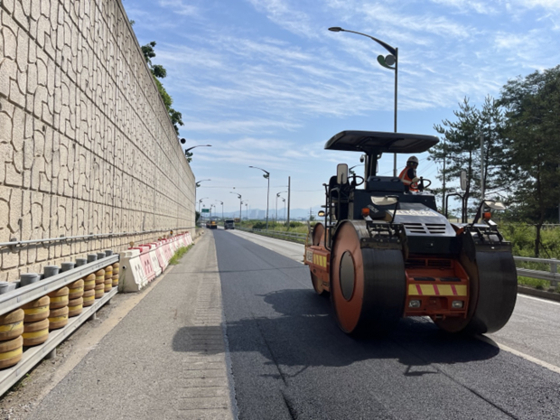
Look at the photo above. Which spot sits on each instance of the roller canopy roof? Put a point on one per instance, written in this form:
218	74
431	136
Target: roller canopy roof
379	142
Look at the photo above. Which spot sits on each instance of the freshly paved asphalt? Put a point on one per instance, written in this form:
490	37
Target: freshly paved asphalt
290	360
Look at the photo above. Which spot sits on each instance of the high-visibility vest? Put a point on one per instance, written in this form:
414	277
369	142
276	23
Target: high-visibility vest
407	181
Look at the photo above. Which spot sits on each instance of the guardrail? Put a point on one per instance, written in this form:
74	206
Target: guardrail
289	236
552	276
16	298
16	244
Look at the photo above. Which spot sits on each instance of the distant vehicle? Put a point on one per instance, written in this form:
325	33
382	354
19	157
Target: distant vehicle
229	224
212	224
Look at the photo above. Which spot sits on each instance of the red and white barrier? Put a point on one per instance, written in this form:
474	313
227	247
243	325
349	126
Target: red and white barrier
143	263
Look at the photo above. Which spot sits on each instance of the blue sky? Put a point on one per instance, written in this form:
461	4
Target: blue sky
267	84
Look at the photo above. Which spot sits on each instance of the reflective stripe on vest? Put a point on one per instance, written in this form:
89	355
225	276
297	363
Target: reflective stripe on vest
407	181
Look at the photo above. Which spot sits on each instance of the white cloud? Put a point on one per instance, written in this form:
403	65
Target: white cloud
180	7
291	18
237	126
483	8
553	5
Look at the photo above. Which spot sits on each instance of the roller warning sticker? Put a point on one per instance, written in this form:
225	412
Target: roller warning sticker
437	290
320	260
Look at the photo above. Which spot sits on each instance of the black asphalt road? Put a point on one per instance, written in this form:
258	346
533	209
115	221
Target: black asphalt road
290	360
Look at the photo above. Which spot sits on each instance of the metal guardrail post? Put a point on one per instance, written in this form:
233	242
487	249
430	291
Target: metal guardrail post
553	270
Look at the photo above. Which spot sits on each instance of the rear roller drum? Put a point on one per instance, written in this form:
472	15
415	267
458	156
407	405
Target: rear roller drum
318	238
368	285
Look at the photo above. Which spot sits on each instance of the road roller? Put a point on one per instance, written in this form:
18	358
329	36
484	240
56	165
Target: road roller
382	252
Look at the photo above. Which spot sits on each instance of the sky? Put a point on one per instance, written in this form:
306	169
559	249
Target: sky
267	85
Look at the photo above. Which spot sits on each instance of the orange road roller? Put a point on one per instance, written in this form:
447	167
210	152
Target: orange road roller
384	253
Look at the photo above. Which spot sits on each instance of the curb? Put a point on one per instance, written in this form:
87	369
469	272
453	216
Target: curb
524	290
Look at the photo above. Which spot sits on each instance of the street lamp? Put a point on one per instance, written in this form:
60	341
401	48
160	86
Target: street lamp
200	202
267	176
284	200
202	180
240	202
391	62
188	154
198	145
222	203
278	195
247	210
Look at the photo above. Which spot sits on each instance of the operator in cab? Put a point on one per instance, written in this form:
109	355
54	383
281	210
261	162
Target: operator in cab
408	175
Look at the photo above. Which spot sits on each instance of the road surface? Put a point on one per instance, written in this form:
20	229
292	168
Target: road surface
290	360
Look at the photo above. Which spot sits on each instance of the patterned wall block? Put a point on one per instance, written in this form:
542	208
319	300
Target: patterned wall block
86	144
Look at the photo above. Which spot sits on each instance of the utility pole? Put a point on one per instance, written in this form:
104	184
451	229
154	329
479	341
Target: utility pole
444	190
288	220
481	166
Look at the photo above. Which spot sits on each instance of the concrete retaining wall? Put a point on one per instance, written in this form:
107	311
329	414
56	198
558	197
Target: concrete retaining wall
86	145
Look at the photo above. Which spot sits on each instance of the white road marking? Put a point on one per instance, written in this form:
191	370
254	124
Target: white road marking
503	347
539	299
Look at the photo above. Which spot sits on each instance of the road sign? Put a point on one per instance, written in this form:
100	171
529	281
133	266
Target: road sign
205	210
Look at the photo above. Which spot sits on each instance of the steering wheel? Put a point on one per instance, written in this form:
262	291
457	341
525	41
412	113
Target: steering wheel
422	184
356	184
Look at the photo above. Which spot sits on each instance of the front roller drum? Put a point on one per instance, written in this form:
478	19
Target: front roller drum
318	239
368	285
493	290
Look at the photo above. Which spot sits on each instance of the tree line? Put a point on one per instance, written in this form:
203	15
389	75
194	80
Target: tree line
519	160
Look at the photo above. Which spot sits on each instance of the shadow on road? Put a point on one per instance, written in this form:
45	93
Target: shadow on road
300	331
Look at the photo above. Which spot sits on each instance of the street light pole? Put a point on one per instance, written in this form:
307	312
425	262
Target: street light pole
387	62
278	195
200	202
202	180
188	154
267	176
222	203
240	202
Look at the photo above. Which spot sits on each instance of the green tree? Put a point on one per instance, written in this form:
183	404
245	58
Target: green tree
460	148
459	145
491	127
159	72
532	134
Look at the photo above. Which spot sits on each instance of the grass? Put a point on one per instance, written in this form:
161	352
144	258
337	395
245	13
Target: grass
536	283
521	235
179	254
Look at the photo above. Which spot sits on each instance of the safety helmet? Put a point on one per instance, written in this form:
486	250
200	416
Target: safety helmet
412	159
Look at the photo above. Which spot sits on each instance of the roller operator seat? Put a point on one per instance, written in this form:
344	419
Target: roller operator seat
390	184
